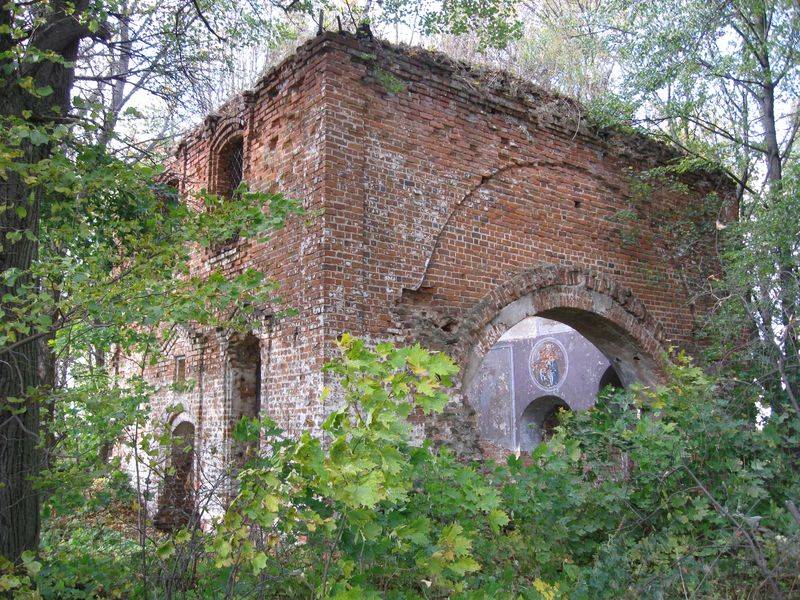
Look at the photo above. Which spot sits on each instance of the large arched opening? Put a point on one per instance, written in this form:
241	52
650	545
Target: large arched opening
552	333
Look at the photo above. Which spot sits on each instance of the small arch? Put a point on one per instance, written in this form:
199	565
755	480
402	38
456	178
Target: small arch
176	504
609	378
538	421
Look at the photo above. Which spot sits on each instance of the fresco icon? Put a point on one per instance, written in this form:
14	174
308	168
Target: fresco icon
548	363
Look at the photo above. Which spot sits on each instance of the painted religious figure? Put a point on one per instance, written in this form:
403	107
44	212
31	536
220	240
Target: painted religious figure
548	363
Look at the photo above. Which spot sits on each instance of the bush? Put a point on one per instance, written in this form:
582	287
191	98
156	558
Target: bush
651	494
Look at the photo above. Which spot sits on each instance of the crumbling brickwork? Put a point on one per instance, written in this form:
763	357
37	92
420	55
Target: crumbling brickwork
446	205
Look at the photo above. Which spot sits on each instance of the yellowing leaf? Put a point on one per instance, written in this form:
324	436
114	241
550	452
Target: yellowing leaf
165	550
465	564
547	591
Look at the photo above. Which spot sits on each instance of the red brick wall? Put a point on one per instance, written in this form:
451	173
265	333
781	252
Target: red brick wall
444	192
282	122
435	193
459	188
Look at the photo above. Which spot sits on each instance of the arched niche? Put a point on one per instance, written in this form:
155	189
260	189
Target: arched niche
243	382
176	501
229	167
538	421
610	379
227	153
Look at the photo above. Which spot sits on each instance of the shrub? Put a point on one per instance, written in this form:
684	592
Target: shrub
651	494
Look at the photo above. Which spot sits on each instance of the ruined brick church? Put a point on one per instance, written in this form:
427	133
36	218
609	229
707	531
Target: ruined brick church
447	205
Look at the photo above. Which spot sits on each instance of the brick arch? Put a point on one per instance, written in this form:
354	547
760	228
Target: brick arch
607	314
565	162
166	420
176	503
173	420
222	130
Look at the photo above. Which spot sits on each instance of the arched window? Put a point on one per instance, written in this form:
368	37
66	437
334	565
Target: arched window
230	167
176	506
538	421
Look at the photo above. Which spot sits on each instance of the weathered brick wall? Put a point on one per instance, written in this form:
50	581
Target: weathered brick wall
456	193
282	124
446	204
459	188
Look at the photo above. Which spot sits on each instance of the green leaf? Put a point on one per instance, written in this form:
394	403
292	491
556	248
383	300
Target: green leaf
367	493
31	564
497	519
259	562
183	536
38	138
463	565
165	550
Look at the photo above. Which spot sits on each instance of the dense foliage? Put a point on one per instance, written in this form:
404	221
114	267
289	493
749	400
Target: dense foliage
651	494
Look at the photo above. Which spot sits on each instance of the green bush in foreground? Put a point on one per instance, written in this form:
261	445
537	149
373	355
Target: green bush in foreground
651	494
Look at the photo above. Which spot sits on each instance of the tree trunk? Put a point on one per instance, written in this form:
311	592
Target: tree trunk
60	33
19	413
771	144
785	261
